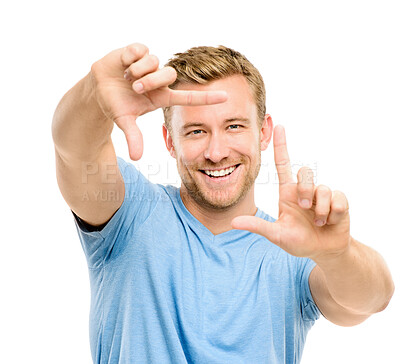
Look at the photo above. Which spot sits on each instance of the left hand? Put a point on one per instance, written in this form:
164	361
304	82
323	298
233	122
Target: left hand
315	230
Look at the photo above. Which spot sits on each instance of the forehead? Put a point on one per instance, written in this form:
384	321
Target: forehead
240	103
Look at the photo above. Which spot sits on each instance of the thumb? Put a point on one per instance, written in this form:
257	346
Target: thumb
133	136
270	230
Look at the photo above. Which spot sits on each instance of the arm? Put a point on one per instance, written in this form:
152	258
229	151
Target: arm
348	288
86	164
350	281
85	155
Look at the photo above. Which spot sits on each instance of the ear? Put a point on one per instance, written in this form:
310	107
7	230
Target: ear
168	141
266	131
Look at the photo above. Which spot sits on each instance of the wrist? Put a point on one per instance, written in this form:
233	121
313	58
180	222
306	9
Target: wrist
90	100
334	259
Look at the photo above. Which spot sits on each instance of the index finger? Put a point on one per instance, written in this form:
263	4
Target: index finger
281	156
196	98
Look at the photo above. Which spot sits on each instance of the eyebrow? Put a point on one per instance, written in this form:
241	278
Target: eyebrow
243	120
229	120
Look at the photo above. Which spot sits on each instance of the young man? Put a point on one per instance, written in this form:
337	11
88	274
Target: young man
199	274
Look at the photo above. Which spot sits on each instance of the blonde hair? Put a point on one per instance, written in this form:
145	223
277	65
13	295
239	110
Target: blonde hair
200	65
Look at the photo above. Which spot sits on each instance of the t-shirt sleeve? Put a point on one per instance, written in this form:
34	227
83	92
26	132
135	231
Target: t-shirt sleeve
308	308
140	199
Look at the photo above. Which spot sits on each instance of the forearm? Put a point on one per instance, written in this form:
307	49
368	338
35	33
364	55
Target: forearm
80	128
358	279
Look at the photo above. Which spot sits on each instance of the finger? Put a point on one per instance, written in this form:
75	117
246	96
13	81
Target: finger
133	136
258	226
133	53
145	65
160	78
339	208
323	197
195	98
305	187
281	155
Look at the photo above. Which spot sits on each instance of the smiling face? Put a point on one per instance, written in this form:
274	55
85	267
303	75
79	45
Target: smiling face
218	147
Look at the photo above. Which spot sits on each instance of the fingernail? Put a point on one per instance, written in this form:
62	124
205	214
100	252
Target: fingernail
138	87
319	222
126	76
305	203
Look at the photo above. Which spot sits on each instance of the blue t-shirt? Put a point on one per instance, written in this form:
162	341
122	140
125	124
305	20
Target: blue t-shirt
164	289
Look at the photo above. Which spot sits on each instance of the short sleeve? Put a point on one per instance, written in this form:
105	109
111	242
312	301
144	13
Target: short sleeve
140	199
308	308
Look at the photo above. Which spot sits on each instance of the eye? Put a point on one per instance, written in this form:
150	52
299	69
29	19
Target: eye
234	126
195	132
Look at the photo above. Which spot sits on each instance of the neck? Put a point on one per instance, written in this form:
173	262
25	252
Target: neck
219	220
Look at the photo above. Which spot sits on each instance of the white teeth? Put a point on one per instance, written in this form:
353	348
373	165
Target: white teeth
221	173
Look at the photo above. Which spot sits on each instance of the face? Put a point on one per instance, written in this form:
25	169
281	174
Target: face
218	147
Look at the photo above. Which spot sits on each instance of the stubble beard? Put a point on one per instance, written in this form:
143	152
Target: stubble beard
218	199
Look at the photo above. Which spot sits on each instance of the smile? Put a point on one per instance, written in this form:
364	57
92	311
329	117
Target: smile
220	172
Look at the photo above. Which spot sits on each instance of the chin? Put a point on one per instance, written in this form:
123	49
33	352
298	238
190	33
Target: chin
217	197
216	200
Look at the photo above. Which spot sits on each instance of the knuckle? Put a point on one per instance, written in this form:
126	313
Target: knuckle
340	203
303	170
339	207
339	194
305	175
324	190
171	72
284	162
189	98
131	49
95	69
300	174
128	54
134	71
140	46
135	48
133	52
153	60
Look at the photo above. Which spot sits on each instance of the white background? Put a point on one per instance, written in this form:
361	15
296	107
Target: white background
332	76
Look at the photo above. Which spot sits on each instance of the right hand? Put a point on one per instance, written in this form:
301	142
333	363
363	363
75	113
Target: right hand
121	104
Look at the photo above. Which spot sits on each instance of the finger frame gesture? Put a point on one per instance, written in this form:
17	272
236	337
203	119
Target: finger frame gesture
313	221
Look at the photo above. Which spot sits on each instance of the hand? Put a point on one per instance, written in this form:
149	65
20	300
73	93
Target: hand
116	78
313	222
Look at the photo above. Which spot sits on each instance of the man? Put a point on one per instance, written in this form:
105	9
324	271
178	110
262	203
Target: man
176	276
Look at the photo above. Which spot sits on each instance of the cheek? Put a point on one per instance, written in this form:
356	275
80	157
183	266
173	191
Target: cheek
248	147
190	152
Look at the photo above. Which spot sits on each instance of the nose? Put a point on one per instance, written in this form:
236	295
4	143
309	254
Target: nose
217	149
